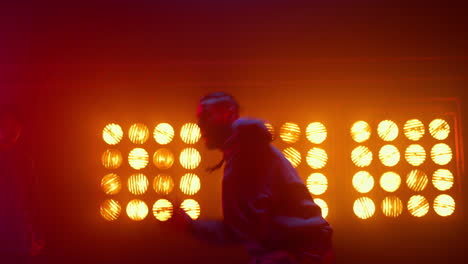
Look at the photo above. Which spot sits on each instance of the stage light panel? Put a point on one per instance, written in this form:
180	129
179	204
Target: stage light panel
293	156
112	134
137	210
389	155
190	133
111	159
317	183
163	159
387	130
361	156
316	132
444	205
392	206
364	207
190	158
417	180
442	179
317	158
138	184
191	207
270	129
441	154
360	131
163	184
163	210
138	133
111	184
138	158
190	184
415	154
363	182
323	206
290	132
439	129
110	209
418	206
390	181
414	129
163	133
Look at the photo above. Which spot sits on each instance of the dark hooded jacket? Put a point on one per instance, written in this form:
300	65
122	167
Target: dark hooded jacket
266	205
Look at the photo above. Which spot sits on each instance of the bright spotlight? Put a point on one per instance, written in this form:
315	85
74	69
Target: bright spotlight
389	155
392	206
317	158
414	129
363	182
111	159
190	133
323	206
361	156
162	210
111	184
444	205
138	133
441	154
390	181
316	132
387	130
293	156
442	179
112	134
163	133
290	132
138	158
138	184
163	159
137	210
418	206
317	183
191	207
360	131
110	210
417	180
364	208
439	129
190	158
190	184
415	155
163	184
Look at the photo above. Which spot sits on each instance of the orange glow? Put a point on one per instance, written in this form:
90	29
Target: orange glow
389	155
138	158
317	183
190	184
444	205
191	207
138	133
417	180
162	210
441	154
190	158
111	159
363	182
271	129
316	132
442	179
138	184
364	208
290	132
163	159
110	210
415	155
137	210
360	131
361	156
111	184
439	129
323	206
390	181
418	206
414	129
387	130
163	133
392	206
163	184
293	156
112	134
317	158
190	133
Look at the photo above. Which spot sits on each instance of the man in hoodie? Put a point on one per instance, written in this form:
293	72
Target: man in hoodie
266	205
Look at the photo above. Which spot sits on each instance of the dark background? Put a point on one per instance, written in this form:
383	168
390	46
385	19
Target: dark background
72	66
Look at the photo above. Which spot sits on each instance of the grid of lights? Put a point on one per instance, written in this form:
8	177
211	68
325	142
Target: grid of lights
315	156
145	178
406	161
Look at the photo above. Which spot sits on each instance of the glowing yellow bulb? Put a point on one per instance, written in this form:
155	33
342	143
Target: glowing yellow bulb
361	156
442	179
191	207
389	155
387	130
439	129
363	181
189	184
138	184
137	210
415	155
392	206
190	158
110	210
417	180
390	181
444	205
414	129
290	132
317	183
293	156
190	133
317	158
271	129
162	210
418	206
316	132
163	133
111	184
323	206
138	133
163	159
360	131
163	184
441	154
138	158
112	134
111	159
364	208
